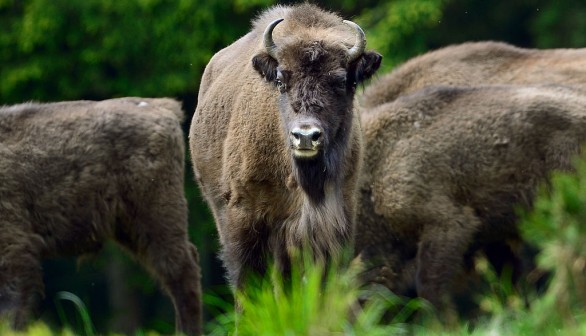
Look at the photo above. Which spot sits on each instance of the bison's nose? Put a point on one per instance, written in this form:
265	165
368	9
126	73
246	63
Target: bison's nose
306	138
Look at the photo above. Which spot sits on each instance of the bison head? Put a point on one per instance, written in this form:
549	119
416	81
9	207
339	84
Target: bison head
316	81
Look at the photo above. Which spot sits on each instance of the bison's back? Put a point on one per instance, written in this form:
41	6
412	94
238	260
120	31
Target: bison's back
458	160
479	63
69	170
485	148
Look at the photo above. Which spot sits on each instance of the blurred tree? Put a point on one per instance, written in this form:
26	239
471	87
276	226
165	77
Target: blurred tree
525	23
96	49
465	20
398	29
559	24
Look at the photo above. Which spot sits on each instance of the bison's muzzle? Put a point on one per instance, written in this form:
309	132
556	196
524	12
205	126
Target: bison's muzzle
306	140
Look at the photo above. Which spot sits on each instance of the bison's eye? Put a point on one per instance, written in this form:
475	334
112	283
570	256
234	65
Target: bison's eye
280	82
281	86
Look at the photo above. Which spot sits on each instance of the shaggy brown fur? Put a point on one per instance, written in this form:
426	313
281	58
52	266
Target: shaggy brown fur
74	174
468	64
444	169
267	202
478	63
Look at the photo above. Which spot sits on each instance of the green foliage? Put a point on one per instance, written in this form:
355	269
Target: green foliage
60	49
557	225
81	309
312	302
244	5
397	28
560	24
501	296
35	329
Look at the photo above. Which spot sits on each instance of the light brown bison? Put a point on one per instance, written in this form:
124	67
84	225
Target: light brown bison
74	174
445	168
275	141
478	63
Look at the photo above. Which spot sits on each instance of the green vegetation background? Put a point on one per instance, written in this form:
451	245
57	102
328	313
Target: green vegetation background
54	50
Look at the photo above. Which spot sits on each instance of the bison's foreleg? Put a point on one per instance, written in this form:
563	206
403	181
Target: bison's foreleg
245	254
390	264
440	257
20	275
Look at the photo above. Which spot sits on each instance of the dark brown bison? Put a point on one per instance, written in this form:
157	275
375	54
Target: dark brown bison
470	64
478	63
445	169
74	174
275	141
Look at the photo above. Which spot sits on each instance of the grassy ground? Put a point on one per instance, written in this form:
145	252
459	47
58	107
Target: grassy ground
318	302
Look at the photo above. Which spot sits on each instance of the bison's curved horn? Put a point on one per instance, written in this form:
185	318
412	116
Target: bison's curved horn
268	42
360	43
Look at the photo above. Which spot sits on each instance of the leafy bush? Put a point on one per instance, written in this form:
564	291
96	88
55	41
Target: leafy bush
557	225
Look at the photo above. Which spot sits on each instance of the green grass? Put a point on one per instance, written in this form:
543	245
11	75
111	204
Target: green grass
318	301
317	304
80	307
314	302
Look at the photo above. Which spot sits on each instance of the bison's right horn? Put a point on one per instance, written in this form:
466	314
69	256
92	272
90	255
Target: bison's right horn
269	44
360	43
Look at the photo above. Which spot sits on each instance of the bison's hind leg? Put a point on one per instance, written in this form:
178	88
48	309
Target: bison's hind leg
160	242
21	279
440	256
180	275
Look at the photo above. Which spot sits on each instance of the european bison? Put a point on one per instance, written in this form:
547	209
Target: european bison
471	64
73	174
477	63
275	141
445	168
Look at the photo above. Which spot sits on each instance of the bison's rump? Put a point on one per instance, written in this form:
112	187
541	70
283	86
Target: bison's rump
69	169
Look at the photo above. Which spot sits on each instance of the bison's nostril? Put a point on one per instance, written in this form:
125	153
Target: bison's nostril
316	135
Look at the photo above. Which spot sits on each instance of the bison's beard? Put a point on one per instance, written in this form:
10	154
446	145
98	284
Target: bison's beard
311	175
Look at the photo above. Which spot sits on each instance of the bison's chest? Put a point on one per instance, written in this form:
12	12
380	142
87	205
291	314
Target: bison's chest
262	205
263	166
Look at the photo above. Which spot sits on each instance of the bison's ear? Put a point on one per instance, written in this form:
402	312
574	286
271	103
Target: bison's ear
366	65
266	66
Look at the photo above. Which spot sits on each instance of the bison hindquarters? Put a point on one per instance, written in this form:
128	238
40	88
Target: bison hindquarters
76	174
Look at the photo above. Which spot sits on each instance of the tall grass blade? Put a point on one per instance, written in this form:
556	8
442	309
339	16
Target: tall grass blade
80	308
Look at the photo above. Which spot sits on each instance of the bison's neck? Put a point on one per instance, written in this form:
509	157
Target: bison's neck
324	227
311	176
323	223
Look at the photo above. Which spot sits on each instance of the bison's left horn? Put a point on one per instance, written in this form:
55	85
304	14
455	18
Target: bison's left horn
269	44
360	43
